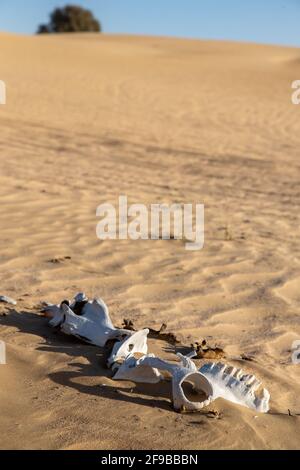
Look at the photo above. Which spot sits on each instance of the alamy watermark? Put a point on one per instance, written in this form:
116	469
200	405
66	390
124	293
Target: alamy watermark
2	92
296	352
159	221
296	93
2	353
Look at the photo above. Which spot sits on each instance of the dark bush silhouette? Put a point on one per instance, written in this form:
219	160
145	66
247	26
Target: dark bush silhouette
43	28
69	19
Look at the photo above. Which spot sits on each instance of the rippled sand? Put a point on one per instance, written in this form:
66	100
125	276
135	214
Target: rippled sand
161	120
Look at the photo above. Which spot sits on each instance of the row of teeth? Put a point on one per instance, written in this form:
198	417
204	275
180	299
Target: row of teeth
243	385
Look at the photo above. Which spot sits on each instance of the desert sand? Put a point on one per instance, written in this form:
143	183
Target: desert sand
91	117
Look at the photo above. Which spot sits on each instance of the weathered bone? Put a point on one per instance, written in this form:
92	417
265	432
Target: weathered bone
215	380
55	312
234	385
80	297
185	371
133	370
93	326
137	343
7	300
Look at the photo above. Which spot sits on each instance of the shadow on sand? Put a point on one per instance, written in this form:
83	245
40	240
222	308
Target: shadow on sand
150	395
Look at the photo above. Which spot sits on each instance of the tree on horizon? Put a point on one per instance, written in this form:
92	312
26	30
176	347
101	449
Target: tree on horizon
70	19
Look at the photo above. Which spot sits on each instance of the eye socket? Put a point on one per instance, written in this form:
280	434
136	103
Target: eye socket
130	347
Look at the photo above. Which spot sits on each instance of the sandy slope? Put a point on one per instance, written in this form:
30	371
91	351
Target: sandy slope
89	118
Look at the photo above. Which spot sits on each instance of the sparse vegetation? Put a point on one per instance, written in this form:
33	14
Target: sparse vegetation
70	18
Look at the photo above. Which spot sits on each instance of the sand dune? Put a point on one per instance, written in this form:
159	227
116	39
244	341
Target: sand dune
161	120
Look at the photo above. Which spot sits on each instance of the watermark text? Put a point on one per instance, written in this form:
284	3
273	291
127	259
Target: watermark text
159	221
296	93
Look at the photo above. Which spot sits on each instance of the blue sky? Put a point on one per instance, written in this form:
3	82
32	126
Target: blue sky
265	21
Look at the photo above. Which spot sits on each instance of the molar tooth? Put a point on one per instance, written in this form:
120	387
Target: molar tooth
256	385
250	379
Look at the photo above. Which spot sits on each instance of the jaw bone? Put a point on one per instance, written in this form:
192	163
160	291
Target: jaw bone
94	325
233	385
213	380
136	343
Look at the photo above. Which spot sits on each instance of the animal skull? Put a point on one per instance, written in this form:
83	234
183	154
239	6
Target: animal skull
212	381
